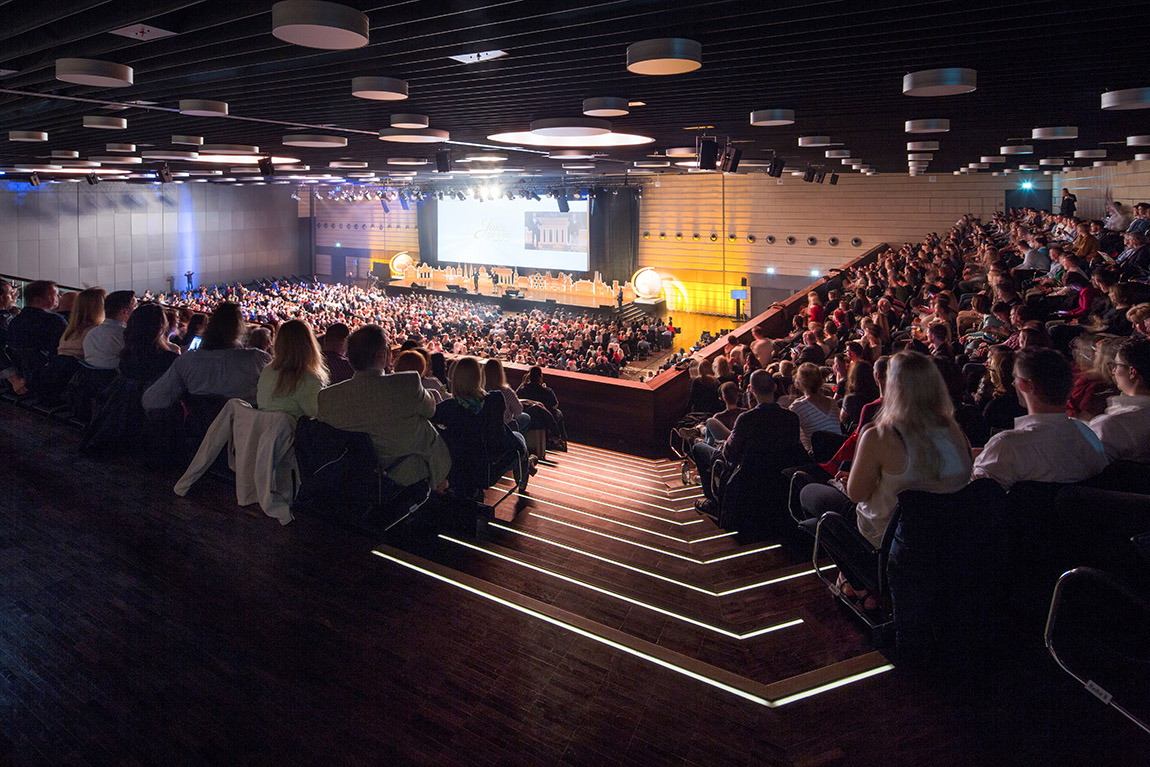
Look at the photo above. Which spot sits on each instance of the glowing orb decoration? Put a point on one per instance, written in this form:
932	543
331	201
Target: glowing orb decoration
647	283
400	263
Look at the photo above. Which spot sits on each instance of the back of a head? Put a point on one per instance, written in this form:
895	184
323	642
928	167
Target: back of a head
365	348
729	391
535	374
467	379
915	396
37	292
225	325
1047	371
809	378
409	361
145	326
493	374
87	312
762	386
336	335
117	301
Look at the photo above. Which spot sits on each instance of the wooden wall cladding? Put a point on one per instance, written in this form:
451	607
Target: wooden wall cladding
881	208
1127	182
364	226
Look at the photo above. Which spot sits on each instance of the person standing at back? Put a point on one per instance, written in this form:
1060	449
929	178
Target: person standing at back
1068	204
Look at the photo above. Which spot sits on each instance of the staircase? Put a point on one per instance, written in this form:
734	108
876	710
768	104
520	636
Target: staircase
632	311
610	546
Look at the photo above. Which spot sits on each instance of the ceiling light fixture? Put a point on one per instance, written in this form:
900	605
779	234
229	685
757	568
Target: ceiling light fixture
922	146
346	164
100	74
115	159
317	24
928	125
27	135
950	81
65	154
119	147
314	141
606	106
1138	141
187	140
1130	98
203	108
379	88
488	157
814	141
416	136
169	154
409	121
106	123
407	161
993	158
475	58
664	56
765	118
1016	149
611	139
570	126
238	149
1055	133
1090	154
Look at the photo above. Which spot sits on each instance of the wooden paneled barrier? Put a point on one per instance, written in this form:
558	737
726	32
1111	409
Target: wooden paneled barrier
637	417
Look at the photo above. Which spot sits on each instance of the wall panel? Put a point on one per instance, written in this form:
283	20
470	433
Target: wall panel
891	208
1127	182
125	236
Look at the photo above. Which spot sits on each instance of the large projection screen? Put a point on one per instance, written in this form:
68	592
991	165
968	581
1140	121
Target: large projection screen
514	233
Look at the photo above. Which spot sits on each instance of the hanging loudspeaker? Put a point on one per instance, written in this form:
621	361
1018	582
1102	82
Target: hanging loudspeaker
708	153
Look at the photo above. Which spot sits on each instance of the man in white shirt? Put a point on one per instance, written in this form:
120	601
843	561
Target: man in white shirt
103	343
1046	445
1124	428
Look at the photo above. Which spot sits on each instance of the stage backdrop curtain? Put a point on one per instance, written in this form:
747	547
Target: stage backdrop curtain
427	220
615	234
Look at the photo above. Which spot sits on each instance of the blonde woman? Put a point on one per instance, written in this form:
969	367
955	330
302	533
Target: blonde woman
496	380
915	444
292	380
87	313
816	411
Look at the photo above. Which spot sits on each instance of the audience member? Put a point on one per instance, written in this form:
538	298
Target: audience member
1124	428
291	382
335	352
392	409
87	313
103	343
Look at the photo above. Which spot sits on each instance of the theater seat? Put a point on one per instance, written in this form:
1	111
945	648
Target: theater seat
1097	630
948	573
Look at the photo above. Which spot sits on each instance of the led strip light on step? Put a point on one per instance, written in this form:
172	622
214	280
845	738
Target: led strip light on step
622	524
590	480
624	598
665	552
658	517
761	697
651	574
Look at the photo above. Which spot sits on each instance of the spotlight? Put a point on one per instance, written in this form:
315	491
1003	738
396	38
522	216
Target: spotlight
266	167
165	174
403	202
730	161
295	196
92	179
443	161
1027	184
707	154
34	179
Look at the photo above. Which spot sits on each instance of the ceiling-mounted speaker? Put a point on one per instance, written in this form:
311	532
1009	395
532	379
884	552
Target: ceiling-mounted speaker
708	154
834	179
821	176
92	179
730	161
266	167
165	174
443	161
563	206
34	180
775	169
809	176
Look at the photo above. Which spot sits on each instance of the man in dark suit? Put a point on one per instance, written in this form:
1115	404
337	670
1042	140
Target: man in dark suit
766	435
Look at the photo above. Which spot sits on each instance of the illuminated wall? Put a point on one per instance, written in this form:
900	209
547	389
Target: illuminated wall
348	231
885	207
1127	182
126	236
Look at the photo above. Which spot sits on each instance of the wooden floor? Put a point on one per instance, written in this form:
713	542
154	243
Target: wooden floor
604	624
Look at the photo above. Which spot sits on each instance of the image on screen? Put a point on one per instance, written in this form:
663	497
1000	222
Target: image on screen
514	233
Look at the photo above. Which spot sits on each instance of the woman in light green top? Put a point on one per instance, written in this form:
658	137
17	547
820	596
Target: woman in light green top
291	382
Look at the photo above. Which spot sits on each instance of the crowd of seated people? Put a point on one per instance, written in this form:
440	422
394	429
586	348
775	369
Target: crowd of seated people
560	338
418	409
1014	349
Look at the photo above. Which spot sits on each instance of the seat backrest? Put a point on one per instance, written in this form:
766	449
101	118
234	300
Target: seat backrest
339	472
1123	476
947	571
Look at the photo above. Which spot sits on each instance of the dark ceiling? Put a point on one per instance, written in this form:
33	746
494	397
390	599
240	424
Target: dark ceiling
837	64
